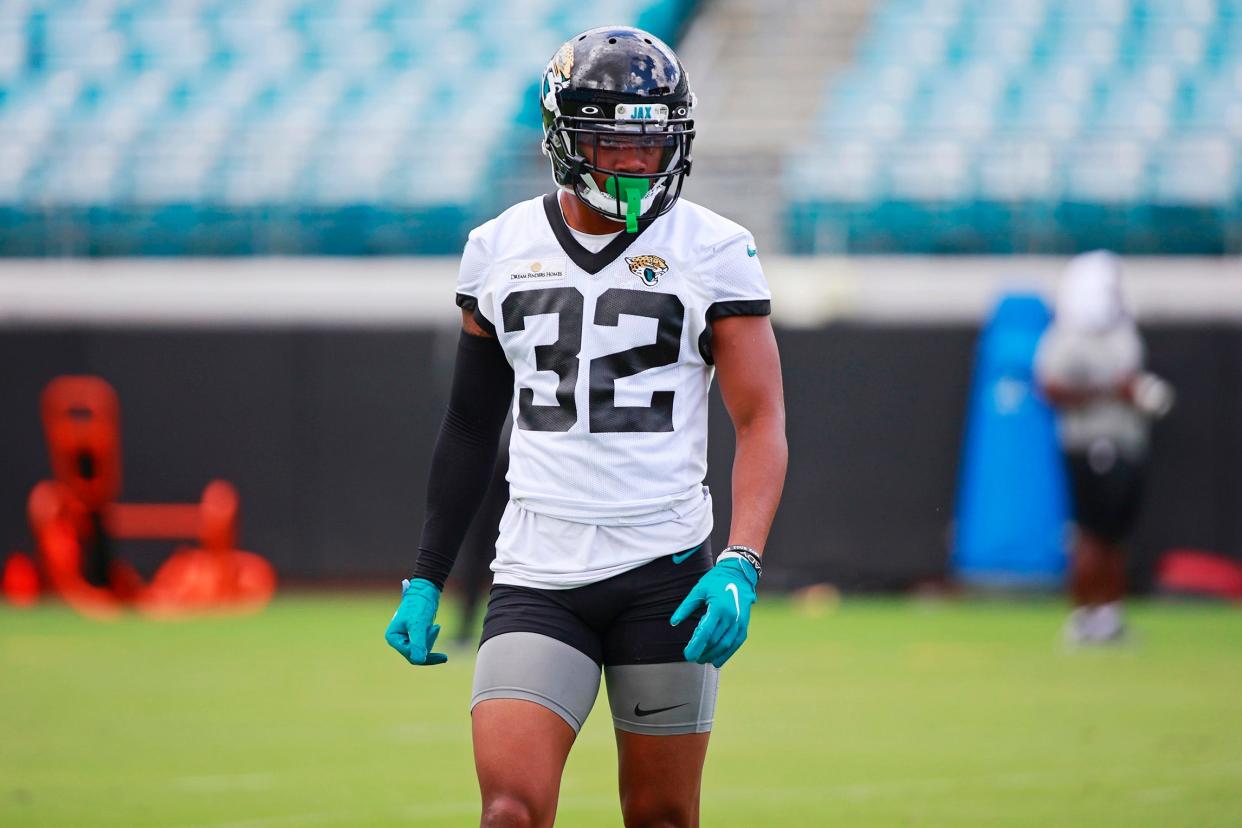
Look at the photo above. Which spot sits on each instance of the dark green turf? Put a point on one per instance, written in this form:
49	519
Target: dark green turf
871	714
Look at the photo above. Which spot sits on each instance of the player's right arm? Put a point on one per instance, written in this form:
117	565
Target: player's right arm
461	468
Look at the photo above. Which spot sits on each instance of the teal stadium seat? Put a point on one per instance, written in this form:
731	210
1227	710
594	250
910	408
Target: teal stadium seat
1133	107
1000	43
960	103
1193	190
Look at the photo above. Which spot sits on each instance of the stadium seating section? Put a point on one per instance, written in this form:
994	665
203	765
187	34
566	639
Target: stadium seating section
385	126
256	126
1029	126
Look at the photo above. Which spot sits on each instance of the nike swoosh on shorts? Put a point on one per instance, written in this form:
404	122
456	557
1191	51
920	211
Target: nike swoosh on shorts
638	711
680	557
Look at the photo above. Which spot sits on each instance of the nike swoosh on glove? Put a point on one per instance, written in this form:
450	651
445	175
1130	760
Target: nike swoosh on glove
727	591
411	632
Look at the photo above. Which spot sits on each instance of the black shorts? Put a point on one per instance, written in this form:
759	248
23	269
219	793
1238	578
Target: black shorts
620	620
1106	495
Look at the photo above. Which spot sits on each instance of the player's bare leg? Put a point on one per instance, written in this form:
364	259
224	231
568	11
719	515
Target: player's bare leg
1115	564
660	779
520	750
1088	571
1097	586
1098	575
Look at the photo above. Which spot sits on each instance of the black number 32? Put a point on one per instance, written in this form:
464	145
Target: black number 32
561	358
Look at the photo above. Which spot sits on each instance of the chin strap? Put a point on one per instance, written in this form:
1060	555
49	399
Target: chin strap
633	190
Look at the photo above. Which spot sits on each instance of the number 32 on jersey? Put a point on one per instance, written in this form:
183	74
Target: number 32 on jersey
561	358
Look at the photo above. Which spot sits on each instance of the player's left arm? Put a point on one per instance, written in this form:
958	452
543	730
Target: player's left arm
749	370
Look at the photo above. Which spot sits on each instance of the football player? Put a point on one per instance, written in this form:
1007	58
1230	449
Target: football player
1090	366
600	314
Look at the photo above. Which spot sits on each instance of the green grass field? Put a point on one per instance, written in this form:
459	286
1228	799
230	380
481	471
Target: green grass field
874	713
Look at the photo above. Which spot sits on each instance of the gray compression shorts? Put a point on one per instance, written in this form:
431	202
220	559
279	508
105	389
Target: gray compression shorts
666	699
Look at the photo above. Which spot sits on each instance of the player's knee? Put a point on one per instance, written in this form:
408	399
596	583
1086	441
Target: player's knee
507	811
647	811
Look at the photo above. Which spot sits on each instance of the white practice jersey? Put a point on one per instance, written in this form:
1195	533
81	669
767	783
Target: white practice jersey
1088	360
611	354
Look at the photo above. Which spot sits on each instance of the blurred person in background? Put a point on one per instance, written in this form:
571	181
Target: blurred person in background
609	306
1089	365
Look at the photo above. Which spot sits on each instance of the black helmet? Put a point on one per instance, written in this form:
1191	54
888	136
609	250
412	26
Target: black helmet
617	79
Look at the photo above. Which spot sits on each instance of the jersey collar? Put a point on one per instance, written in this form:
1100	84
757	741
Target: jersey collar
590	262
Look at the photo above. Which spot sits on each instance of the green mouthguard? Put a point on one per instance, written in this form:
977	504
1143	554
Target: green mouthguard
634	189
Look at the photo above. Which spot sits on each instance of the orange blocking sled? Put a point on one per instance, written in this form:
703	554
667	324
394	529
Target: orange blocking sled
76	518
20	581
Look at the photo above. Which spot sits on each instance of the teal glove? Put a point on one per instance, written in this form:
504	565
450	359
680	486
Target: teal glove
411	632
727	590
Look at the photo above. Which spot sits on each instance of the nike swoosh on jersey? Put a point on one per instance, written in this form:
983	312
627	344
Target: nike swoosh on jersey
680	557
638	711
737	605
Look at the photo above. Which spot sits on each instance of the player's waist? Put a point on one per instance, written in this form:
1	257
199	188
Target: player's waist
641	512
1115	421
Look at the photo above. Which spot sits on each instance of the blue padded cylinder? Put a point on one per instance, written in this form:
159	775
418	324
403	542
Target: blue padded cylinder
1013	504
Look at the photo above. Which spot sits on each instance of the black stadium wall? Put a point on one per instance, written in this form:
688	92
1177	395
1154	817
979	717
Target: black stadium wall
327	434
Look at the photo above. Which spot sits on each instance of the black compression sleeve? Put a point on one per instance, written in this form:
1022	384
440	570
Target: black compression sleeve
465	452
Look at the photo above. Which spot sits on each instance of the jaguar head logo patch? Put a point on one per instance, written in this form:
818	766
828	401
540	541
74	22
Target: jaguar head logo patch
647	268
563	60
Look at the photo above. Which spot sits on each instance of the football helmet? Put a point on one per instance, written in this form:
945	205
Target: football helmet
610	86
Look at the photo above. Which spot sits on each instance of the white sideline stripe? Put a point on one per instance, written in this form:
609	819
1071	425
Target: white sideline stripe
963	290
177	292
411	292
